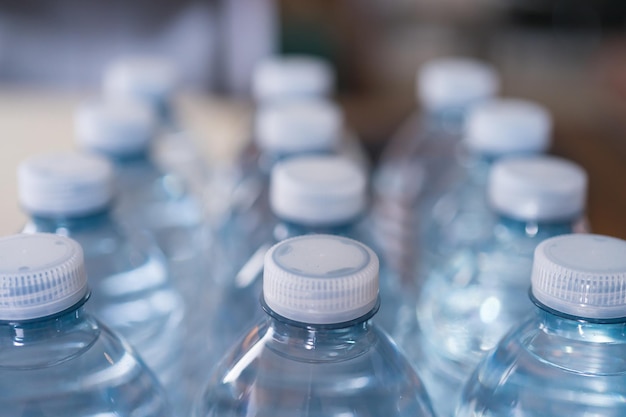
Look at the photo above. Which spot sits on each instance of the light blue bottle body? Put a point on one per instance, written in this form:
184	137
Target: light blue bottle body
236	301
420	165
132	291
71	365
551	365
157	205
283	368
469	301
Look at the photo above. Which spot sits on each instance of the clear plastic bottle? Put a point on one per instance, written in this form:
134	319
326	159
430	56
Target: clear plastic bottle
494	129
288	78
70	194
420	161
148	200
308	194
316	353
569	357
471	299
329	195
282	131
57	359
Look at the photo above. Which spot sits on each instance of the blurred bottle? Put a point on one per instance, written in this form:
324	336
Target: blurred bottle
421	160
316	353
494	129
71	194
471	299
154	81
57	360
308	194
328	195
148	200
282	131
287	78
569	357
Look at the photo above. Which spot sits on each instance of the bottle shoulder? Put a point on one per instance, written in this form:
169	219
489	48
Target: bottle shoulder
98	373
544	368
270	373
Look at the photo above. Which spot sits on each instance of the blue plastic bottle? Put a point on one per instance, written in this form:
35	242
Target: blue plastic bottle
569	357
283	130
494	129
421	160
328	195
471	299
147	199
308	194
57	359
317	352
70	194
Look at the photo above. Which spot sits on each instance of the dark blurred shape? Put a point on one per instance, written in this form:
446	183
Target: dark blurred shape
609	15
67	43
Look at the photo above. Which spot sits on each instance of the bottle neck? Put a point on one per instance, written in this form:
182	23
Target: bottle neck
315	342
449	120
70	223
509	226
285	229
38	342
134	159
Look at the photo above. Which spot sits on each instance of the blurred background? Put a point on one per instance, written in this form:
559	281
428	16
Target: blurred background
569	55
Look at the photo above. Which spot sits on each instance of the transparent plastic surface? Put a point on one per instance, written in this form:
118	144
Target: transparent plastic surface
420	164
469	301
282	368
235	300
70	365
132	291
551	365
158	204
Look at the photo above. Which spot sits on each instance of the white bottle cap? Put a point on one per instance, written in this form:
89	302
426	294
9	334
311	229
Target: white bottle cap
581	275
455	83
40	274
115	127
317	190
538	188
150	79
320	279
508	126
287	77
299	126
64	183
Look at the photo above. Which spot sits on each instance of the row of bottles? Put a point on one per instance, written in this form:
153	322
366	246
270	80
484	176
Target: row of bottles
317	351
308	294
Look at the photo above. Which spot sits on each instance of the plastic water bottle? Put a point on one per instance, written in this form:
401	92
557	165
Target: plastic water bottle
282	131
494	129
329	195
288	78
317	352
70	194
308	194
421	159
57	359
471	299
148	200
569	357
154	81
